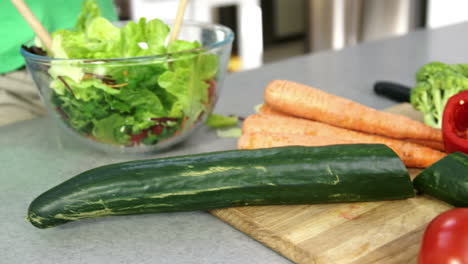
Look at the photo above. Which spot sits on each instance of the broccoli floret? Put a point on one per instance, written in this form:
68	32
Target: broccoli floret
436	83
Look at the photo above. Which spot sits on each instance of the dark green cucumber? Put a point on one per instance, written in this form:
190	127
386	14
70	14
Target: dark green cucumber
446	180
286	175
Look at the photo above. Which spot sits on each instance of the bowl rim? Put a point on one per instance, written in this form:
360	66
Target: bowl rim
229	38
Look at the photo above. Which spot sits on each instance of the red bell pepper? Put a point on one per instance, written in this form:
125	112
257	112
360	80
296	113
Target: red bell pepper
455	123
445	240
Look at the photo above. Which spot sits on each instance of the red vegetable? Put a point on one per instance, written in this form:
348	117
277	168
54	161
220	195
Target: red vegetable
211	90
446	239
136	139
455	123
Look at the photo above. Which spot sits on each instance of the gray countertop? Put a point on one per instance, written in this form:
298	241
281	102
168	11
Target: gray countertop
33	159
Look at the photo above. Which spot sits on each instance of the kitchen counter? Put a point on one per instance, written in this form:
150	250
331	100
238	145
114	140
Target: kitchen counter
34	157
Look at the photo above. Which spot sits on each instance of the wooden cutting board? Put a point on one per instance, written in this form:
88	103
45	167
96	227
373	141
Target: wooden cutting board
358	233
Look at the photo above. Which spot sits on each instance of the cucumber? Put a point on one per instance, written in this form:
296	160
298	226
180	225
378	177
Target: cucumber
446	180
284	175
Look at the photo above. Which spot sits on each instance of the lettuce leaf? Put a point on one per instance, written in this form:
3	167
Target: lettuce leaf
143	39
188	88
112	129
89	11
156	33
187	77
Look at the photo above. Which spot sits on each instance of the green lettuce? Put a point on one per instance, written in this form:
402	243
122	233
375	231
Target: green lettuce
89	11
125	102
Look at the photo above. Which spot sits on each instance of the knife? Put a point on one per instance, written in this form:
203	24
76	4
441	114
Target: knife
394	91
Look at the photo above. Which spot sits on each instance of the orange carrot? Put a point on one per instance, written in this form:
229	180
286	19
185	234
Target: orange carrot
266	109
270	140
307	102
429	143
413	155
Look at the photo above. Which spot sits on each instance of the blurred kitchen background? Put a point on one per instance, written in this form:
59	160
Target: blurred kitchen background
271	30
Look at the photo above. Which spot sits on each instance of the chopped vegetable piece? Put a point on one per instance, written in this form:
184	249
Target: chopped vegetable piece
219	121
234	132
455	123
446	180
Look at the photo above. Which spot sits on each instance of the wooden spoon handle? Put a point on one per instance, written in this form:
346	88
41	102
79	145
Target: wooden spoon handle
178	21
34	23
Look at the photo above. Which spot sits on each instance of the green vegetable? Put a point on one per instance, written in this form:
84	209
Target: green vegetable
123	103
446	180
218	121
233	132
286	175
436	83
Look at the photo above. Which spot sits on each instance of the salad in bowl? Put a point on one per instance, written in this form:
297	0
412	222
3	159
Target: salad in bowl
125	88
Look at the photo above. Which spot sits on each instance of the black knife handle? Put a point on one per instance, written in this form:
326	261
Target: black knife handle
395	91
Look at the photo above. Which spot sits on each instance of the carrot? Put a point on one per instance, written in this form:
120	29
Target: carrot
413	155
266	109
429	143
270	140
307	102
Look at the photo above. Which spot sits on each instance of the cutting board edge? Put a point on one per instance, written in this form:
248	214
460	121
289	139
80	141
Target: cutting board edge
280	245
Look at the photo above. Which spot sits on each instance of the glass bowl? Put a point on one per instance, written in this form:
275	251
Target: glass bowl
136	104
